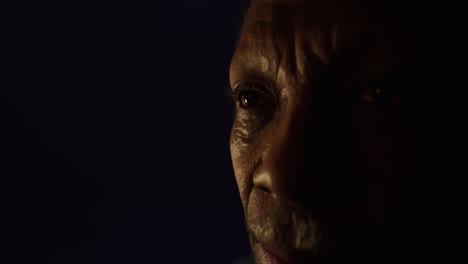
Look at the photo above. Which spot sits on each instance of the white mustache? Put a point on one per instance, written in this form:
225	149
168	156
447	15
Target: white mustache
286	227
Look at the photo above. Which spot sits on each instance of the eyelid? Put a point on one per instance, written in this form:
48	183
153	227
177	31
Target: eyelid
255	75
393	87
245	86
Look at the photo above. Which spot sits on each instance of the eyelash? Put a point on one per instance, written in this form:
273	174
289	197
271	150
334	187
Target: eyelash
381	92
237	93
234	94
255	117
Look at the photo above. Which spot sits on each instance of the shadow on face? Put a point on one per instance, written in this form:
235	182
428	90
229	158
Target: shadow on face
338	143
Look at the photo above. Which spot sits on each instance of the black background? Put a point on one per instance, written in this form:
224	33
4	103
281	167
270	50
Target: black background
114	132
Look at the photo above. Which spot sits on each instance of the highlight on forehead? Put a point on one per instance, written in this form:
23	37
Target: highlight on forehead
273	31
267	36
288	34
281	10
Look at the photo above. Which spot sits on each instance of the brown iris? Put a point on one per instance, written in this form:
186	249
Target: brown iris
249	99
384	92
253	95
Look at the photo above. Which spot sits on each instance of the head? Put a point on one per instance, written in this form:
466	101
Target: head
338	143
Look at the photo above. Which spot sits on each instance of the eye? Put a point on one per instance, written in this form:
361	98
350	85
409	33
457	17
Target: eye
253	95
382	92
249	98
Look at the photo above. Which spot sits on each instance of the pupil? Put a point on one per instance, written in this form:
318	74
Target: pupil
378	91
381	95
250	98
384	91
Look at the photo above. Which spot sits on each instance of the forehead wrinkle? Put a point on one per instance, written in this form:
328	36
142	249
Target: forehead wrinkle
287	41
265	11
264	47
270	36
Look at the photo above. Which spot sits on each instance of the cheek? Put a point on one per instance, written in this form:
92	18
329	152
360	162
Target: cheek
383	145
389	160
246	140
249	125
243	162
236	157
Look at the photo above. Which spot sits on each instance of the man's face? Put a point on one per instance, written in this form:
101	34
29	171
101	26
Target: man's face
330	141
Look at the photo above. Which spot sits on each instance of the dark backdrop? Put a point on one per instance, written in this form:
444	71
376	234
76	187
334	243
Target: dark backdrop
114	132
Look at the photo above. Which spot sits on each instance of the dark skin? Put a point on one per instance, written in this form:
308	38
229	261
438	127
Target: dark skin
333	144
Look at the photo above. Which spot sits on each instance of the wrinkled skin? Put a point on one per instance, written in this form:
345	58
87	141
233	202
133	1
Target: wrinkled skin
330	170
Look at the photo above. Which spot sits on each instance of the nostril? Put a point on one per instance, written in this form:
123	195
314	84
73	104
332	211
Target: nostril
262	180
264	189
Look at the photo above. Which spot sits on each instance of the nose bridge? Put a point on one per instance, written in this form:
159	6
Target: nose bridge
306	156
282	165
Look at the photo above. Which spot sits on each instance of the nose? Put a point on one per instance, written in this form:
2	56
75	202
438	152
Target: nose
299	160
281	170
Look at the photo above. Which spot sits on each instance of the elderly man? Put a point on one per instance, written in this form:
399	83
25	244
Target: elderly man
338	144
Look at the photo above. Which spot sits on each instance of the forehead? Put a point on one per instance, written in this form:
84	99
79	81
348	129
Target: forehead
294	37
